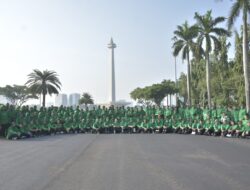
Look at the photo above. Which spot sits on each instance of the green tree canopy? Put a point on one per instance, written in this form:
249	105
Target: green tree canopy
86	99
17	94
154	93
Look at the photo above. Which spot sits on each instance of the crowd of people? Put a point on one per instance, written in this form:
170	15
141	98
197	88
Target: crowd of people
26	122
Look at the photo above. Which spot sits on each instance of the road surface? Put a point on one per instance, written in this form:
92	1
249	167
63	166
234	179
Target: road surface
125	162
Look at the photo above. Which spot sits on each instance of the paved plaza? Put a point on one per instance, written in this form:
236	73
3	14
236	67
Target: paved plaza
125	162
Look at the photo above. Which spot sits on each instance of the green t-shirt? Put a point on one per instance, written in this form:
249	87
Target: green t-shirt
236	127
246	128
4	117
242	114
143	125
12	130
96	125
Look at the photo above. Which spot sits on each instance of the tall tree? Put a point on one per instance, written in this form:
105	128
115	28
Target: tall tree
208	37
237	69
86	99
183	42
237	7
44	82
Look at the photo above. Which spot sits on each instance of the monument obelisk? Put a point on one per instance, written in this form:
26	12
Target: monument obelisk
112	46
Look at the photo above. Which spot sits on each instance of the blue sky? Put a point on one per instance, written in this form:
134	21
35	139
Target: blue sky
71	37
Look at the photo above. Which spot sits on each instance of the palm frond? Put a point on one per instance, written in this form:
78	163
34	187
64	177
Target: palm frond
220	31
218	20
217	43
234	13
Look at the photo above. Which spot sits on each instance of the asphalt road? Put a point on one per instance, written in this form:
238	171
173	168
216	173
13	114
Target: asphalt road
125	162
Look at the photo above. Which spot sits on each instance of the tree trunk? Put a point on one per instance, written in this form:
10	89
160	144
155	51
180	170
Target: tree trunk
245	61
44	97
188	82
208	80
167	100
170	96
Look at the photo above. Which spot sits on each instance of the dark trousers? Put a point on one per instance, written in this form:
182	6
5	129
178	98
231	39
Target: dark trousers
13	136
117	129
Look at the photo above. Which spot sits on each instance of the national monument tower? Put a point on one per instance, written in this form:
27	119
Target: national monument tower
112	98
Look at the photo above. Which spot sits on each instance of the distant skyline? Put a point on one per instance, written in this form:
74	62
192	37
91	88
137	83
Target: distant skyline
71	37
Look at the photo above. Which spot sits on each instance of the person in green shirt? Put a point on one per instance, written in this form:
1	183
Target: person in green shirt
13	132
96	126
59	126
117	126
242	113
106	125
165	126
5	118
209	127
33	128
52	125
187	127
141	112
201	128
82	125
169	126
159	123
235	114
101	125
124	125
24	130
206	113
192	112
137	122
239	129
67	125
177	126
182	126
168	112
220	110
111	125
246	130
75	126
150	126
214	113
217	131
88	124
233	128
194	127
225	127
142	128
131	125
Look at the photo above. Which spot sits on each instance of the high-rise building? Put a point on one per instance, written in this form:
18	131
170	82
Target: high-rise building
61	100
74	99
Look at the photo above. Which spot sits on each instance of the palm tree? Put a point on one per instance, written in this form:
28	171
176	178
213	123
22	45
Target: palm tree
244	6
183	42
86	99
208	37
44	82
